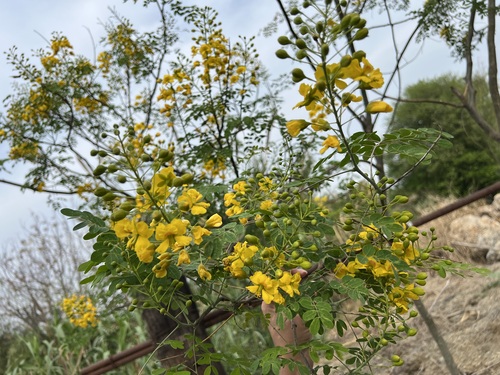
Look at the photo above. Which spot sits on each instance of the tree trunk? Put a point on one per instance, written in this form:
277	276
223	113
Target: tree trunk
160	327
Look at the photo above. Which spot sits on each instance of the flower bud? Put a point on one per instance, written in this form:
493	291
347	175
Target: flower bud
301	54
361	34
298	20
345	61
253	240
304	30
301	43
99	170
118	214
100	192
282	54
283	40
325	50
294	11
359	55
298	74
344	23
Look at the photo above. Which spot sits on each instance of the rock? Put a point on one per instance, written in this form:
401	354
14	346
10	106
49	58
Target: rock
479	232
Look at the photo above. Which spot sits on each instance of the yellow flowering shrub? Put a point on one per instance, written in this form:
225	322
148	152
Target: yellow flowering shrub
192	190
80	311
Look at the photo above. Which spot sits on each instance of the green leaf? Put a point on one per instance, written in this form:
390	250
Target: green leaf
309	315
315	326
86	266
71	213
175	344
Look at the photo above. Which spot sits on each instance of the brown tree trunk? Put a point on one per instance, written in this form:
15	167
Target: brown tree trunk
160	327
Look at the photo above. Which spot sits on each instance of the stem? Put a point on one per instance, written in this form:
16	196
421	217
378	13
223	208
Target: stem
436	335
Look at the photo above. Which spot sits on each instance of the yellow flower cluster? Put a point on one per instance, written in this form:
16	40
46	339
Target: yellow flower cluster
215	168
383	270
80	311
169	238
337	77
25	150
240	262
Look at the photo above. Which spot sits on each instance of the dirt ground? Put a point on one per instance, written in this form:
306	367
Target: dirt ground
467	314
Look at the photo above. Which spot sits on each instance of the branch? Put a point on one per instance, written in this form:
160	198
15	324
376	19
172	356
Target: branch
22	186
476	116
492	61
429	101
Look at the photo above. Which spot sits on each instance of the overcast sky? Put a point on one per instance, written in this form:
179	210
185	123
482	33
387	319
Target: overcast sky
25	24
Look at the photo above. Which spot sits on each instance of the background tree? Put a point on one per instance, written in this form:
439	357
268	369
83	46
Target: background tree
473	162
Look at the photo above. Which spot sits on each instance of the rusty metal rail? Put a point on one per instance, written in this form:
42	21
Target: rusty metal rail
218	316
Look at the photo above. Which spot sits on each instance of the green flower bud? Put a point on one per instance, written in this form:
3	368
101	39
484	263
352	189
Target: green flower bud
253	240
283	40
298	20
108	197
304	30
294	11
122	179
93	152
359	55
102	154
116	151
301	43
99	170
166	155
127	205
354	20
100	192
361	24
298	74
344	23
118	214
177	182
282	54
112	168
325	50
361	34
306	265
320	26
418	291
345	61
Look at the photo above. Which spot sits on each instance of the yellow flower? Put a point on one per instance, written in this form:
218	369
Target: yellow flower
266	288
123	228
143	247
266	205
240	187
198	233
290	283
320	124
183	258
203	273
189	200
294	127
330	142
172	235
160	183
401	297
144	250
160	269
265	184
378	107
214	221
